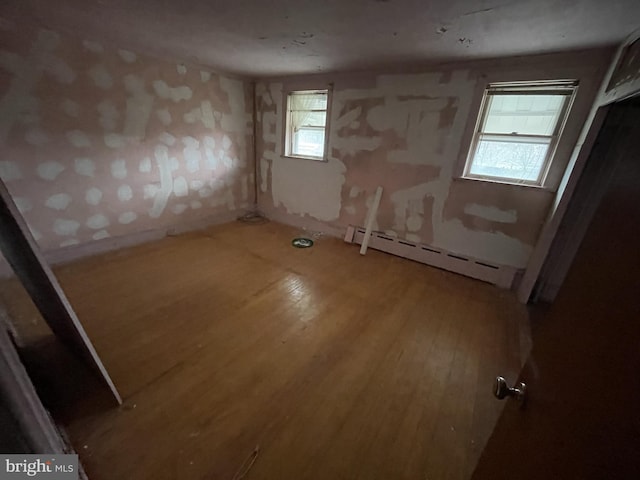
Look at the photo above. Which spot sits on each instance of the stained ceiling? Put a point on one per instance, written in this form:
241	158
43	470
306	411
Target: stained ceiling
282	37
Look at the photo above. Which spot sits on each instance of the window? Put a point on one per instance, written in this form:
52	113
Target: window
306	124
518	130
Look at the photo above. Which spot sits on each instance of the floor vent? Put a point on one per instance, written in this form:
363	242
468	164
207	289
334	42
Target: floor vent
499	275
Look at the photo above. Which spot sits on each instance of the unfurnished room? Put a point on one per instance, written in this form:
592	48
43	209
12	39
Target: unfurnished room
366	239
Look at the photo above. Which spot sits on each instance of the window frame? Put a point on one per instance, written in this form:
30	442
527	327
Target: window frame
566	88
287	138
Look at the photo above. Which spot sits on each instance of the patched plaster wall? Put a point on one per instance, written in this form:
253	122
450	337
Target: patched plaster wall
406	132
99	142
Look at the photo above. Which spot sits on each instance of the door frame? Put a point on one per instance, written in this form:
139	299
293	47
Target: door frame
605	97
23	254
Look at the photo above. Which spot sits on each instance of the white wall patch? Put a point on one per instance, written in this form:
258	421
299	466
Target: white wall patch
181	69
65	228
164	116
145	165
125	193
58	69
193	116
209	145
59	201
85	167
127	217
308	188
226	142
100	235
208	119
97	221
119	169
151	190
192	153
79	139
139	106
9	171
174	93
108	115
167	139
166	182
36	137
114	140
491	213
101	77
92	46
204	76
127	56
196	184
180	187
50	170
69	242
93	196
179	208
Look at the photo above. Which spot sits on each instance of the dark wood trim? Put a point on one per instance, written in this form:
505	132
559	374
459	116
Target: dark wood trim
22	253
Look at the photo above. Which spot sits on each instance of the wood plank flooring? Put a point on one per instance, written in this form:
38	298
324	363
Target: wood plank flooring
335	365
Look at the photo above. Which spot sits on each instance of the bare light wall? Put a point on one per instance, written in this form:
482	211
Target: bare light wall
408	133
99	142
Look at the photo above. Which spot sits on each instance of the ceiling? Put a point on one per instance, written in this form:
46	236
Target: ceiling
262	38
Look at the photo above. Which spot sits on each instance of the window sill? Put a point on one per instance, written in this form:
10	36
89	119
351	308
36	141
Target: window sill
296	157
505	183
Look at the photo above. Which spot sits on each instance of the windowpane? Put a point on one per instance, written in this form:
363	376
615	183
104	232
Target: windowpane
308	142
308	101
523	114
518	160
306	123
312	119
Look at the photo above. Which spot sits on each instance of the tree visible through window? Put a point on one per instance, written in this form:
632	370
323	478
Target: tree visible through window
518	131
306	124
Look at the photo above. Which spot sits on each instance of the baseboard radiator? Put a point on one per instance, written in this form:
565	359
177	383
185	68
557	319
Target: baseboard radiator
499	275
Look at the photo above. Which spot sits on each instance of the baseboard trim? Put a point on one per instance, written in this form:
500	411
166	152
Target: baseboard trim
499	275
61	256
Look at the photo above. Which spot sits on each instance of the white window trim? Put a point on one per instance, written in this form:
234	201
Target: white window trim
565	87
286	134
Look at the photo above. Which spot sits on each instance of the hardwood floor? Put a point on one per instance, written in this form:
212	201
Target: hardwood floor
335	365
